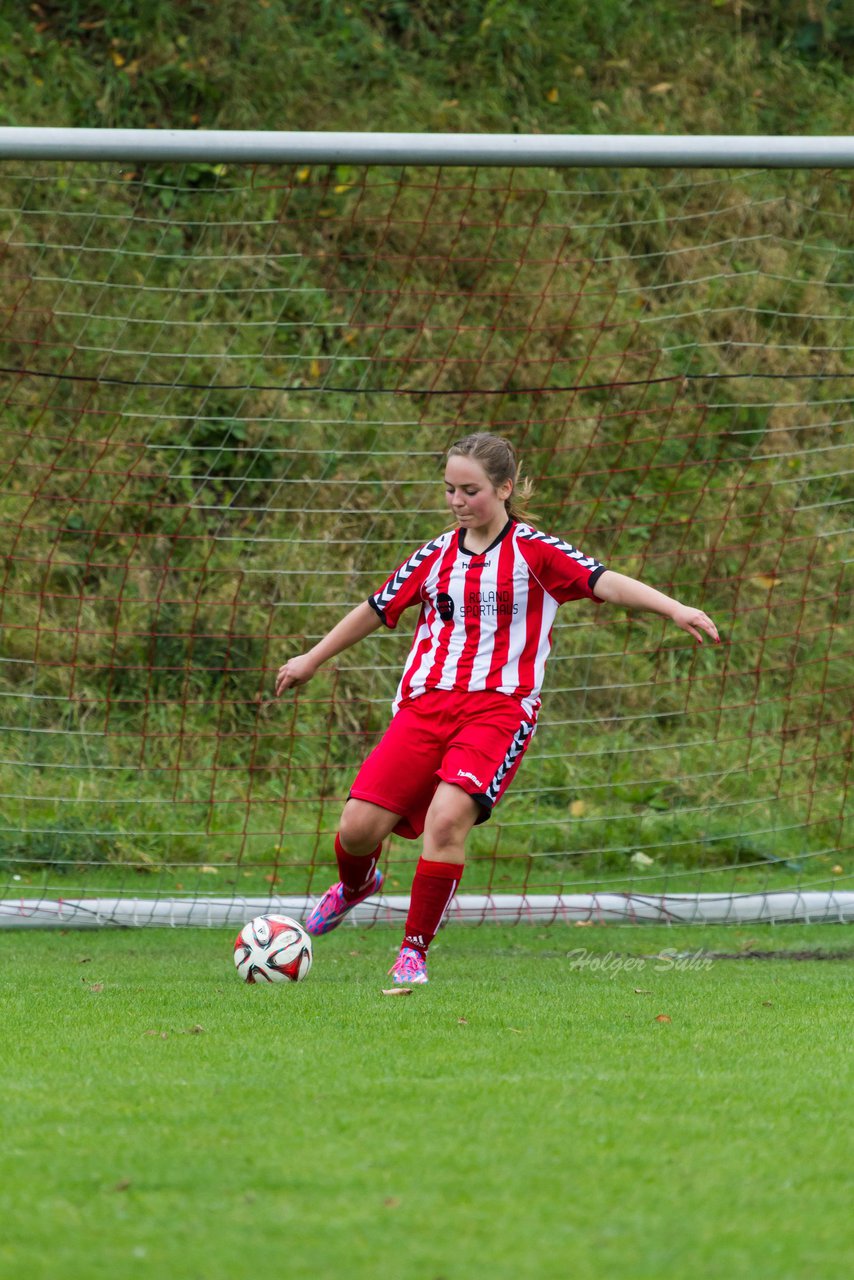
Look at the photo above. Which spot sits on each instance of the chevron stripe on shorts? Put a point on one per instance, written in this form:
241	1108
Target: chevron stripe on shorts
517	746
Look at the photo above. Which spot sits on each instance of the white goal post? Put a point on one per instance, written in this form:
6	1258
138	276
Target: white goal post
508	150
230	364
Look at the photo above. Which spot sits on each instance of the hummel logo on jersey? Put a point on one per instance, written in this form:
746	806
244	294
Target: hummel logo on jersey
463	773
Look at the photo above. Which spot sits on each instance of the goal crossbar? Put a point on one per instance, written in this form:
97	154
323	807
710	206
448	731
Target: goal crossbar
506	149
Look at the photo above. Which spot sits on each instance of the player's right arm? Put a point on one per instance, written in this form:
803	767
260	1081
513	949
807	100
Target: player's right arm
400	590
357	624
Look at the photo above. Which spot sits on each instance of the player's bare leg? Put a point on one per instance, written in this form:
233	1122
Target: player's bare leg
363	826
450	818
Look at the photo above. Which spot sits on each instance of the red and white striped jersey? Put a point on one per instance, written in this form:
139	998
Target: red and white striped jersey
485	619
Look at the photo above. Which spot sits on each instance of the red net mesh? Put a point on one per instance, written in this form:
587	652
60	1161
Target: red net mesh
226	396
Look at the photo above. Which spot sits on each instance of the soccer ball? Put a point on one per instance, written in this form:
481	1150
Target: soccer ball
272	949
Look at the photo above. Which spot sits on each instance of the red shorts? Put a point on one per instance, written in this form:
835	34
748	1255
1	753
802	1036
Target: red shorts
474	740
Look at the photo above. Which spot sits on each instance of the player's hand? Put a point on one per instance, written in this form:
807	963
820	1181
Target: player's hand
695	622
295	671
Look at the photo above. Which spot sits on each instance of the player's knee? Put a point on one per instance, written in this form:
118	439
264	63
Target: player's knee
443	832
360	829
450	818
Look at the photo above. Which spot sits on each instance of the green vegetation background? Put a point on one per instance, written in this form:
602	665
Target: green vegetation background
622	66
609	67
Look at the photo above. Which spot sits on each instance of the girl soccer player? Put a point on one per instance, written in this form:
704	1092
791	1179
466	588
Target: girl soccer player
467	703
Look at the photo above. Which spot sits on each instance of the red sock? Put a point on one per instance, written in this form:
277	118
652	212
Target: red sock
356	872
433	887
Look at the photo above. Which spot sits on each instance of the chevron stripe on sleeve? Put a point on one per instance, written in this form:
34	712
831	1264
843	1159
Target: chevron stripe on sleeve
561	568
403	587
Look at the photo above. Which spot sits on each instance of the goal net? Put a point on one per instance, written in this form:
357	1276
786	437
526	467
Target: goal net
227	390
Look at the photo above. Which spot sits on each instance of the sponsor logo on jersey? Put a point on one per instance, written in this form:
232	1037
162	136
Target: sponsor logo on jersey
463	773
497	603
445	606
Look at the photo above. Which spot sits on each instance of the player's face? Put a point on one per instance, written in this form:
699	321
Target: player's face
473	498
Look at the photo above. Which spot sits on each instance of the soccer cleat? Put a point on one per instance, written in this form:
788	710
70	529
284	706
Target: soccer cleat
409	969
333	906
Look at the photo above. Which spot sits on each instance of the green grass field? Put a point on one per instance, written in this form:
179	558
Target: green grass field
531	1113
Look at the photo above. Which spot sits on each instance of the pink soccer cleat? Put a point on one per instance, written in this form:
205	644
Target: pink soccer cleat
333	906
409	969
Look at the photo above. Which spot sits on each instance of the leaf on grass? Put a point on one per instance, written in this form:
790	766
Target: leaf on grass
97	986
391	1202
663	86
768	1004
516	1031
639	859
640	991
765	580
397	991
662	1017
463	1022
122	1184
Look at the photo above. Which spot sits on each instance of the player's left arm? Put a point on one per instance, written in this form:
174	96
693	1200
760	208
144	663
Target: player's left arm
616	588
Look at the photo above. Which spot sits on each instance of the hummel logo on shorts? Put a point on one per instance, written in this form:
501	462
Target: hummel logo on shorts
463	773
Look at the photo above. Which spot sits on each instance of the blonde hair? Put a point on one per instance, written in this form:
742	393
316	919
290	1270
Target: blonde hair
498	459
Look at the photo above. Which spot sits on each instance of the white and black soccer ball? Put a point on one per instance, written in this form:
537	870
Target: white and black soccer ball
272	949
